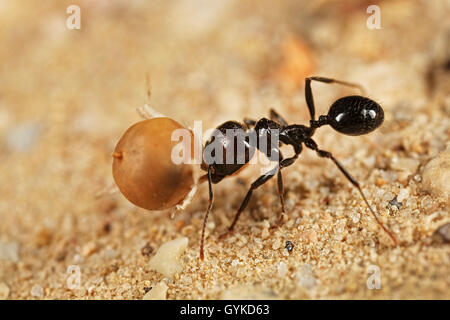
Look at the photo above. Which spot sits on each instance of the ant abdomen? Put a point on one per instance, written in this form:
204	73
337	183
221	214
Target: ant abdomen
355	115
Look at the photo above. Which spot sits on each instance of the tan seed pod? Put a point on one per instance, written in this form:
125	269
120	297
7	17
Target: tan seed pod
143	168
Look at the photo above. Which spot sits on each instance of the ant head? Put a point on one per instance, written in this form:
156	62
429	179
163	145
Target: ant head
355	115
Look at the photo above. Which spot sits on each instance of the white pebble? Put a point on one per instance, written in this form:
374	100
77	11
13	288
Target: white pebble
404	164
355	216
276	245
247	292
369	161
111	253
387	196
9	251
4	291
23	137
167	259
305	277
158	292
37	291
436	175
402	195
282	269
235	262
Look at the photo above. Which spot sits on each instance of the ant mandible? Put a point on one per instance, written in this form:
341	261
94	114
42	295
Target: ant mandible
350	115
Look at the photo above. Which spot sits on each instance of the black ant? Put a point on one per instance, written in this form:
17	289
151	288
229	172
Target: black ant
350	115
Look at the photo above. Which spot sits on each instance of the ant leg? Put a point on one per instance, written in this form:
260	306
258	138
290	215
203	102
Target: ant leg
281	192
260	181
344	83
276	117
211	198
308	92
325	154
283	163
249	123
309	99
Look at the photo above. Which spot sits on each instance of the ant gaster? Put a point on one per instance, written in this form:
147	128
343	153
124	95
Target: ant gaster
350	115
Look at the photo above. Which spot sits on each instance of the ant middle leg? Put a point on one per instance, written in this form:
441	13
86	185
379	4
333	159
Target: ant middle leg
249	123
257	183
283	164
325	154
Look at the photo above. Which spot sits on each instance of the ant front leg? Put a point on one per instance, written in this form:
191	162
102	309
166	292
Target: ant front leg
283	164
211	199
325	154
309	96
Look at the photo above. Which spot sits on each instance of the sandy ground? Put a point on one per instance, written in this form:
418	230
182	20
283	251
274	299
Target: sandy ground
67	96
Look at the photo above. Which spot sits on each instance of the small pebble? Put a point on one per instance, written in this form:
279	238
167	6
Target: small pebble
394	203
43	237
158	292
88	249
355	216
147	250
4	291
289	246
443	232
276	245
147	289
111	253
305	277
265	233
248	292
282	269
404	164
167	259
403	195
436	175
310	236
23	137
9	251
37	291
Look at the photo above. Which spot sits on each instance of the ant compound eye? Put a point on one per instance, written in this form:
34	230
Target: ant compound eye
355	115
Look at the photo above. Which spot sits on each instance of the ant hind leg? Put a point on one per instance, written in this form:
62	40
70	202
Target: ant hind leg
325	154
309	96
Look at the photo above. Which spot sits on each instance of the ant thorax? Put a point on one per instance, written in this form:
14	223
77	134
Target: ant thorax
295	134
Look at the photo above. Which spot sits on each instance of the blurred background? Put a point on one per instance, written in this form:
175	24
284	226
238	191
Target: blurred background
66	97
